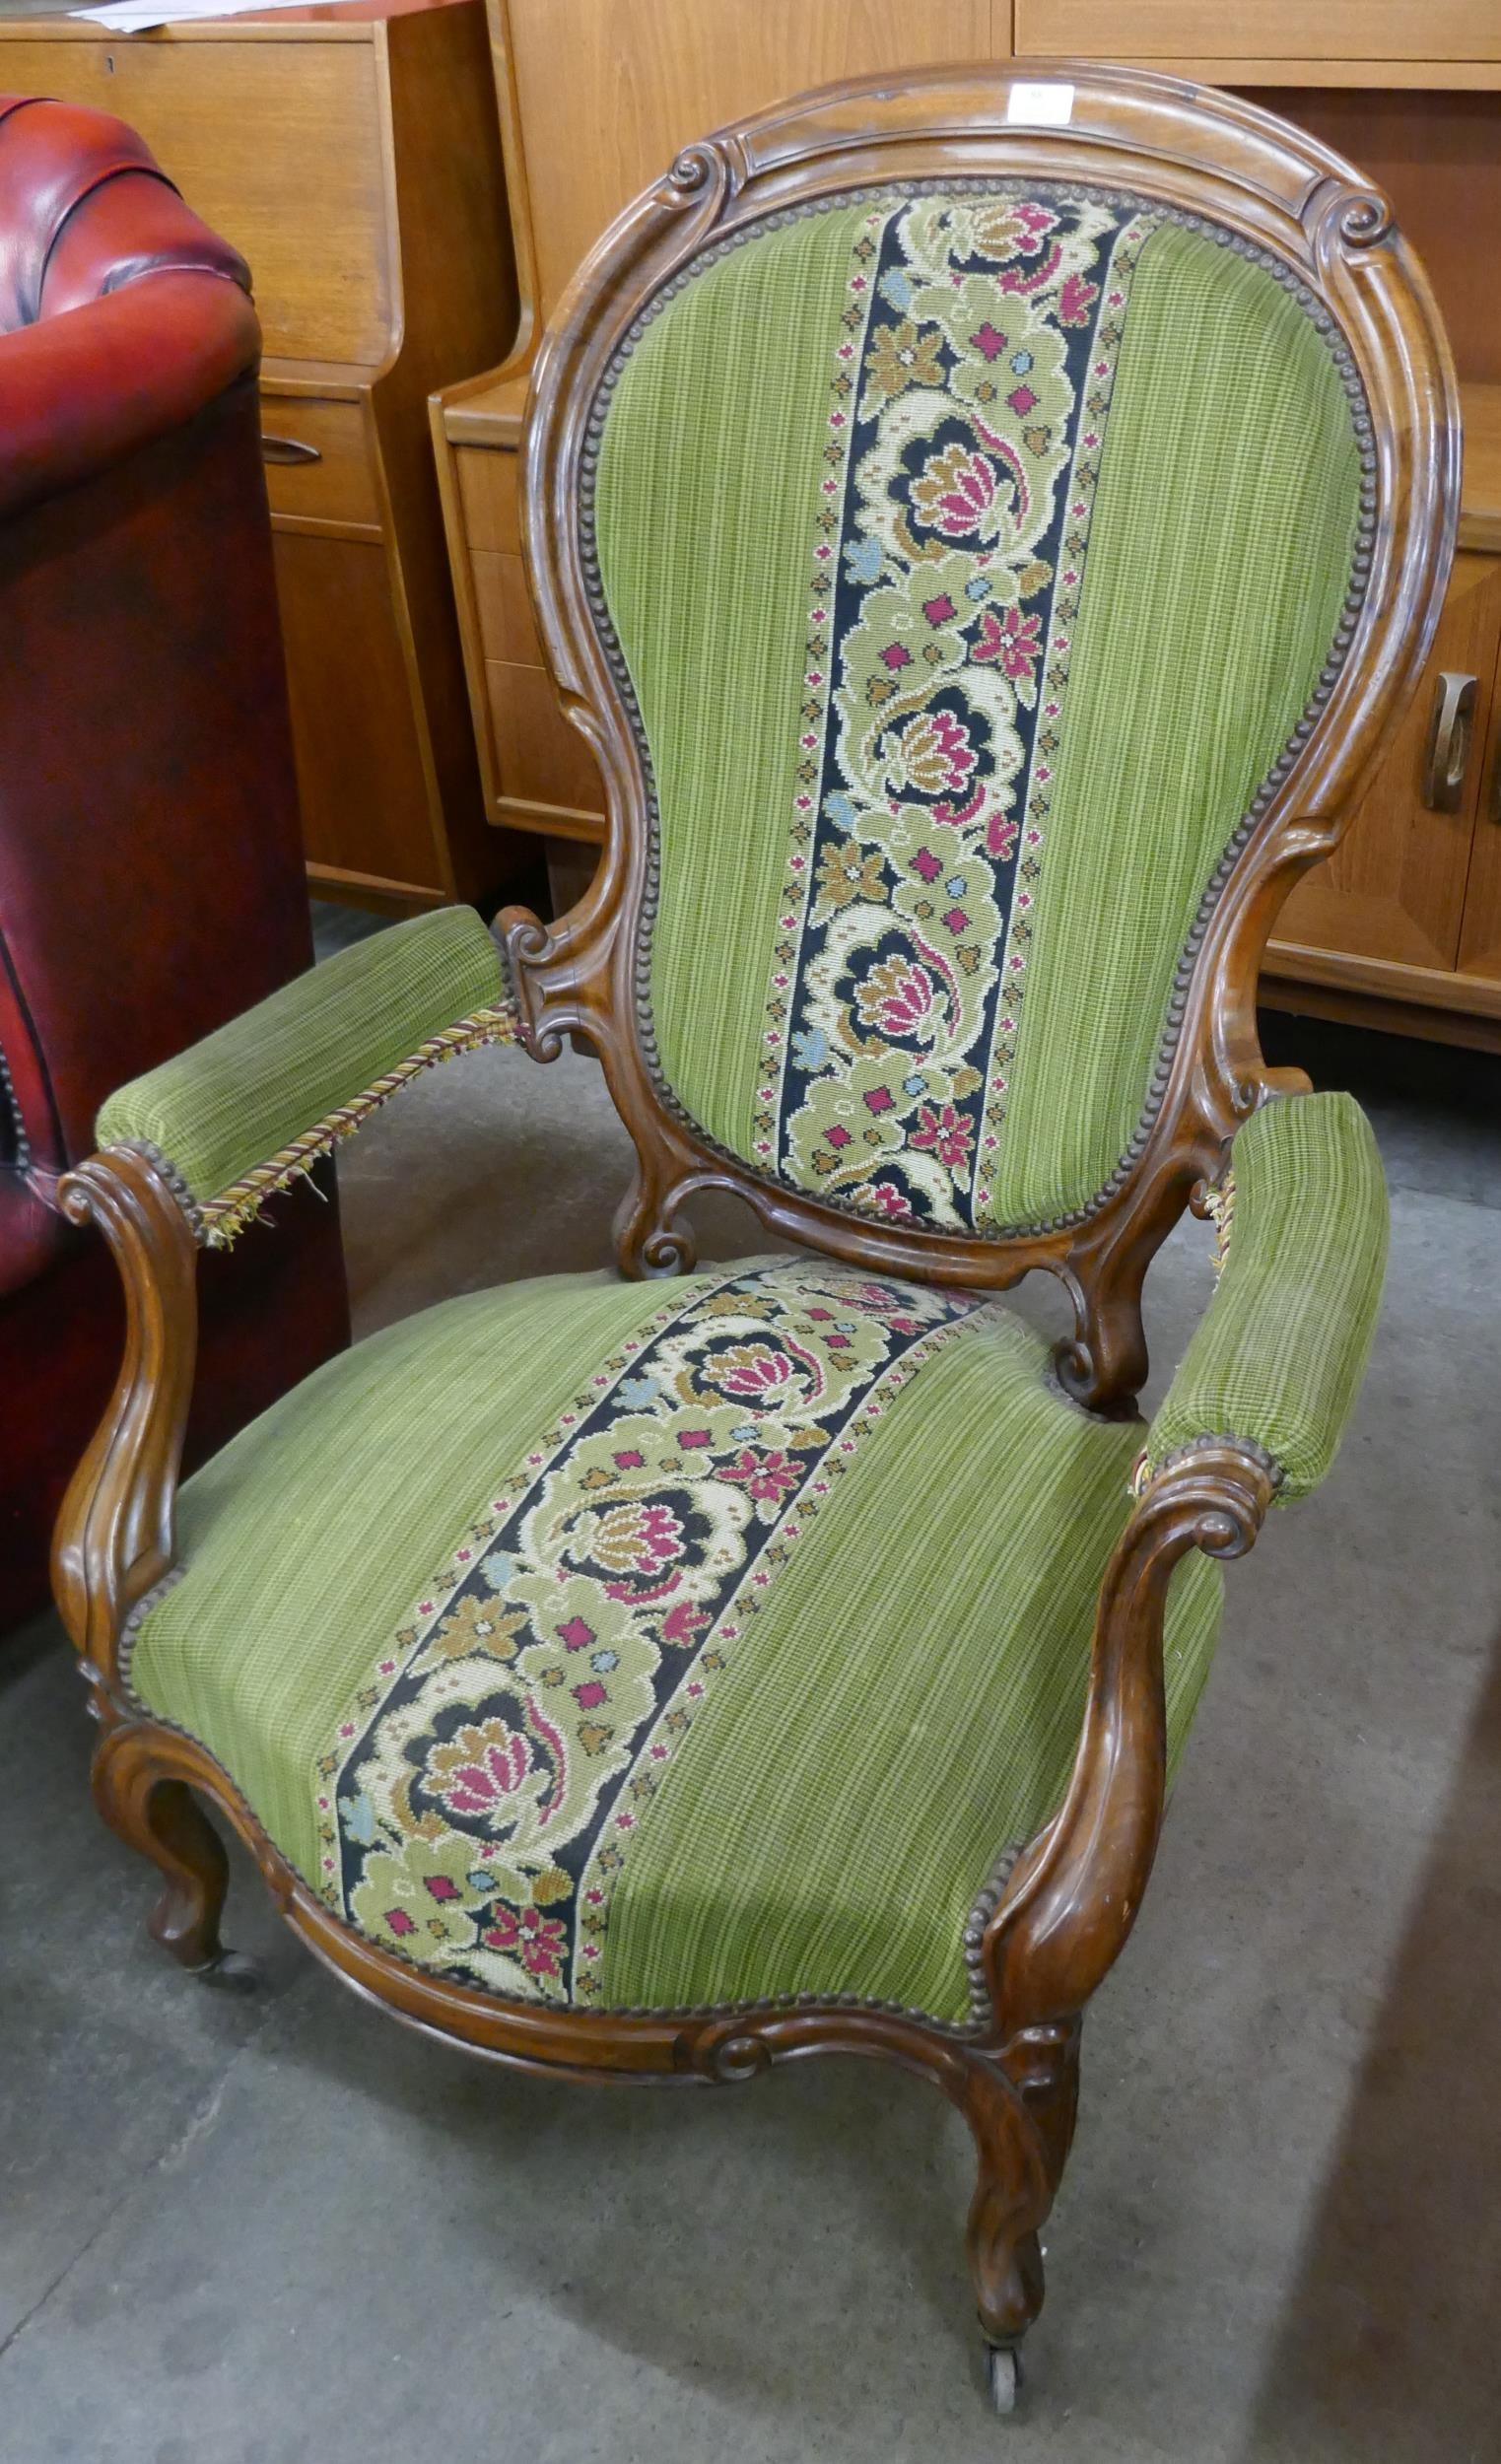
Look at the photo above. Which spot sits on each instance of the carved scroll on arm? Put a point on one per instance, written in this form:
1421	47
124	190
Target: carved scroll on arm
116	1533
1074	1896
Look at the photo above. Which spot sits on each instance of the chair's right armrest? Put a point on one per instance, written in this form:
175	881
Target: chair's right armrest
240	1114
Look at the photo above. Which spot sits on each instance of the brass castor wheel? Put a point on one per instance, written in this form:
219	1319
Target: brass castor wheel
1002	2376
233	1972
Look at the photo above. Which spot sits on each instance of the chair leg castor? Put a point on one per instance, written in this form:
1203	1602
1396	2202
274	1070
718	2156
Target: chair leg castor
231	1972
1002	2376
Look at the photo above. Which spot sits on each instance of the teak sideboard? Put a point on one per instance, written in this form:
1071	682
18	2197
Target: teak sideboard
352	155
597	98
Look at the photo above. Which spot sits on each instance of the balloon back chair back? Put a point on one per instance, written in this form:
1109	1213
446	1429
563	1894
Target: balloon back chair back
986	532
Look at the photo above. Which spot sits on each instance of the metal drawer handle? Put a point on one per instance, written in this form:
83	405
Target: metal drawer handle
288	450
1454	702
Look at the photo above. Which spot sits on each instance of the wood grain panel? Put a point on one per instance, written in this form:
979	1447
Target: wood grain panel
1438	157
486	486
1395	889
644	80
507	628
1480	503
542	760
1390	30
359	768
275	121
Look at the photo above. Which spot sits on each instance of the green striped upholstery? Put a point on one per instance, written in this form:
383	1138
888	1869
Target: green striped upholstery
231	1102
971	561
671	1722
1279	1354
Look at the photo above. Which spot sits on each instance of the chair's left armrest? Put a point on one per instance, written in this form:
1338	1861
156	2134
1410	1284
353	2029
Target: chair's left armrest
1279	1356
242	1113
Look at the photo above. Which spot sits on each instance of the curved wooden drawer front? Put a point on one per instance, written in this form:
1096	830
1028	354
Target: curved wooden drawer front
318	459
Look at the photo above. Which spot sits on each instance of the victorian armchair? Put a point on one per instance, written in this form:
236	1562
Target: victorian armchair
986	559
151	861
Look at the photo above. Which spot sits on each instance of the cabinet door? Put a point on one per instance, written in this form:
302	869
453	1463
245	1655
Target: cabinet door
1396	888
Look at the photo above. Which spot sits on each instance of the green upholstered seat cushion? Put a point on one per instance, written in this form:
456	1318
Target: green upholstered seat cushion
586	1643
1280	1352
234	1100
972	559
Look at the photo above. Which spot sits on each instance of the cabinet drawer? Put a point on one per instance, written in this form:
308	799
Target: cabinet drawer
318	459
1259	29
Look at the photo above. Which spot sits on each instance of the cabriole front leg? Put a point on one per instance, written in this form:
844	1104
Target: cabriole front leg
1020	2141
159	1818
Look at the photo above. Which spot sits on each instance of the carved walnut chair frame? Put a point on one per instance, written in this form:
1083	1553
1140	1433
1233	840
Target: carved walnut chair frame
1051	1931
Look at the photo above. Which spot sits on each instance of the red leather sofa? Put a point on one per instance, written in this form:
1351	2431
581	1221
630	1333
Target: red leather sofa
151	875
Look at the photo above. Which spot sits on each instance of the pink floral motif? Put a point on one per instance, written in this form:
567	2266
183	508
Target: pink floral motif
1000	838
768	1478
898	998
883	1197
1012	640
681	1624
534	1939
1075	299
955	491
480	1770
1014	280
758	1371
1012	228
641	1537
936	754
947	1132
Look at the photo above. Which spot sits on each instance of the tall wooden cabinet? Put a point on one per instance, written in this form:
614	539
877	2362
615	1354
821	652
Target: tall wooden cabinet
352	154
1403	929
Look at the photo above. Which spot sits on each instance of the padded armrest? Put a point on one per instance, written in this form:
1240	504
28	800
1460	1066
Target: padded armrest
1280	1352
242	1113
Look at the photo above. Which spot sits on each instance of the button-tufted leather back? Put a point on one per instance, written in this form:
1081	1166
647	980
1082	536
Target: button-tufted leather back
89	220
67	233
151	871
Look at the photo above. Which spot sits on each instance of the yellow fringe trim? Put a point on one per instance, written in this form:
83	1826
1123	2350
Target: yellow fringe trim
1219	1206
223	1218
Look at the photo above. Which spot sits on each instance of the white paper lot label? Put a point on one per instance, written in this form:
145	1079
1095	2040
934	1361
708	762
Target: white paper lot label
1041	107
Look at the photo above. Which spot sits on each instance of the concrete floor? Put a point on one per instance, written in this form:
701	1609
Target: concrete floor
282	2230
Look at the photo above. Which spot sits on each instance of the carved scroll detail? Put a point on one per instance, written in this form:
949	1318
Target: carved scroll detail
1073	1898
116	1534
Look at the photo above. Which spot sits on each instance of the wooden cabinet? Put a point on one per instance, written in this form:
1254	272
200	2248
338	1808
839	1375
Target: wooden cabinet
352	154
1403	929
1395	889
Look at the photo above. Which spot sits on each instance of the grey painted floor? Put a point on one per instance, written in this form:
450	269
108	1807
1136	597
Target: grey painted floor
264	2231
